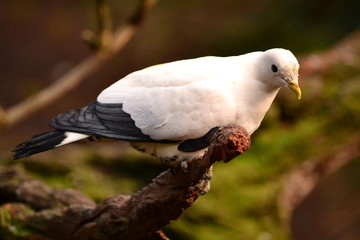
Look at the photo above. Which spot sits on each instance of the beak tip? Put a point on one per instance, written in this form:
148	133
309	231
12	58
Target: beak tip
294	86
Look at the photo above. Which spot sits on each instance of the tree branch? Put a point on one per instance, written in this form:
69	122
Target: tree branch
105	23
345	52
301	181
111	45
142	215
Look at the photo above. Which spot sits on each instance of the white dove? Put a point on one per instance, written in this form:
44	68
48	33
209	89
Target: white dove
172	110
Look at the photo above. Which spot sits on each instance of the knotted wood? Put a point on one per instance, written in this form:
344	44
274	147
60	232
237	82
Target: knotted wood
140	216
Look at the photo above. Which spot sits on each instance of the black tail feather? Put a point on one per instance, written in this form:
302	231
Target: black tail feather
39	143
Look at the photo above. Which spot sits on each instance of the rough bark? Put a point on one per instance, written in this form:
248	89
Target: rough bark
67	214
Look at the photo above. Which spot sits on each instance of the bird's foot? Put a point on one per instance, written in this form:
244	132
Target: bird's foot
204	183
184	167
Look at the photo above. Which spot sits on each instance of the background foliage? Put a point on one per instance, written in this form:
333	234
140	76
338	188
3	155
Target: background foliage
40	40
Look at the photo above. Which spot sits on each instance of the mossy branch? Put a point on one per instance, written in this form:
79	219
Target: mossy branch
140	216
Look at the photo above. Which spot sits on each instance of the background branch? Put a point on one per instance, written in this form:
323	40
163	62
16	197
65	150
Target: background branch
105	23
110	46
344	52
302	180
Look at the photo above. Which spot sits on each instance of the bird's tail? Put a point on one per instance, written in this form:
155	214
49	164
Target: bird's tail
46	141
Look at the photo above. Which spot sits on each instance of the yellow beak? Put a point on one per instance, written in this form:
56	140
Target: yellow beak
294	85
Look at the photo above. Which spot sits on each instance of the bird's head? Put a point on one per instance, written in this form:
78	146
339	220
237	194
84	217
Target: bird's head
281	68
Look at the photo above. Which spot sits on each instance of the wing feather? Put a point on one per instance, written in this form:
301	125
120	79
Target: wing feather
104	120
179	100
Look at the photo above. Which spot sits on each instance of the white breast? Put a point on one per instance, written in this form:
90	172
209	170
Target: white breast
184	100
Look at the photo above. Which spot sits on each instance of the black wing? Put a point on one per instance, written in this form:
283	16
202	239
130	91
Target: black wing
110	121
102	119
192	145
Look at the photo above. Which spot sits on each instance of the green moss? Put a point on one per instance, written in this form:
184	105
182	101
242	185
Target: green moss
12	225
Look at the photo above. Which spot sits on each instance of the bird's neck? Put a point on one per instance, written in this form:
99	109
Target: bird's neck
258	99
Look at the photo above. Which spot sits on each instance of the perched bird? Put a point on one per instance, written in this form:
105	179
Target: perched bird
172	110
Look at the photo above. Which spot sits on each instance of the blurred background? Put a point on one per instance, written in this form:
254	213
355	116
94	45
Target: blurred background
301	178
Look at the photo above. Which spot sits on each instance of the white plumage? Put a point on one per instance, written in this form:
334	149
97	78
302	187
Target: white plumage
185	99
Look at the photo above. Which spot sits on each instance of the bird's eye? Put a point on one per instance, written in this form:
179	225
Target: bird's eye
274	68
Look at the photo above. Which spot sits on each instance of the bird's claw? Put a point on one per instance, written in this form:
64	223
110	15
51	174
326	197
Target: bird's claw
204	183
184	167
